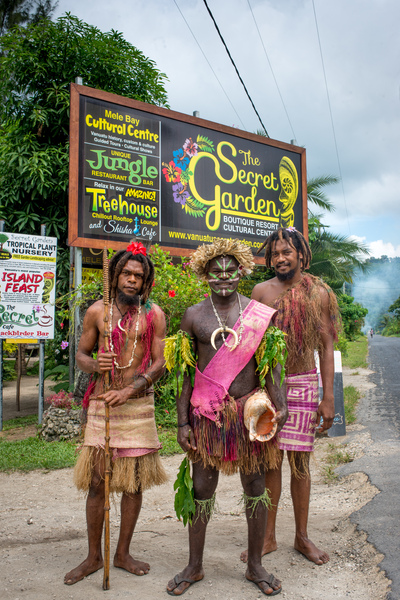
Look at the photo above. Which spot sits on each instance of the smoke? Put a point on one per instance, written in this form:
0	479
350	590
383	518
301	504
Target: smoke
378	289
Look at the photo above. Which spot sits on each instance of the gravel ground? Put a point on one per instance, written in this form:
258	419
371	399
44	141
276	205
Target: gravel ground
43	536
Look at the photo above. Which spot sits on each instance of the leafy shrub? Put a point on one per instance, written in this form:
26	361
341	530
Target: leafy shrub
175	288
60	374
10	349
353	314
9	373
62	399
342	344
164	401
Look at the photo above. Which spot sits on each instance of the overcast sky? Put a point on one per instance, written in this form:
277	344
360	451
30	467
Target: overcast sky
342	106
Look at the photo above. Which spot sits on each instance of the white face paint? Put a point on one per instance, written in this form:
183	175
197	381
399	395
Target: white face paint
223	275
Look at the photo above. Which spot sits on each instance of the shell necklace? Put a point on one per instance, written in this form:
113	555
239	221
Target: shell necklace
122	329
224	329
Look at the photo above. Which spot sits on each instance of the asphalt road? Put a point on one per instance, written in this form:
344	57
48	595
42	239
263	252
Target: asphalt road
379	411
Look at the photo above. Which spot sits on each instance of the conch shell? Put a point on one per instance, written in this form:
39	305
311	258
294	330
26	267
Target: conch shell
257	414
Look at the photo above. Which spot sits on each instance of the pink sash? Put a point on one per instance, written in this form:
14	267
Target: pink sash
209	396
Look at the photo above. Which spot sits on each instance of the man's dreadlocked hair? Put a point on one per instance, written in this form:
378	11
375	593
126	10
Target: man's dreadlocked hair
117	263
294	238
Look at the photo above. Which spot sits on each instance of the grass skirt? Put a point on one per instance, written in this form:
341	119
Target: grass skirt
228	448
129	474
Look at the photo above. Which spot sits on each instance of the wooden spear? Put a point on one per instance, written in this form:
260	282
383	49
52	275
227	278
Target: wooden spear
107	472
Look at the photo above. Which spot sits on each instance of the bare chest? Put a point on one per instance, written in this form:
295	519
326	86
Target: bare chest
122	331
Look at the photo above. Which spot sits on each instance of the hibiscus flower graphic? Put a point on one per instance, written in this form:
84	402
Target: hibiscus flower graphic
179	175
181	159
190	147
172	172
180	193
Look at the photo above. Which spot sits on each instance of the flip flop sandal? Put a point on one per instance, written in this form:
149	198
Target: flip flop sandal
269	581
178	580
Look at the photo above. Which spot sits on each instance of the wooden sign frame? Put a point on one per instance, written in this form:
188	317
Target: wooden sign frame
172	118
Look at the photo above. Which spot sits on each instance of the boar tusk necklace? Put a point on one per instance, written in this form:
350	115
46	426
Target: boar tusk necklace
222	329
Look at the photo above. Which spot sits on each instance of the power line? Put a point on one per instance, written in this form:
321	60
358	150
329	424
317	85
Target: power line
235	67
331	115
209	64
272	71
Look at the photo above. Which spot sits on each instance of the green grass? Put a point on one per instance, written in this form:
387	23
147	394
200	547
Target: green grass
357	354
168	440
334	457
351	398
20	422
34	453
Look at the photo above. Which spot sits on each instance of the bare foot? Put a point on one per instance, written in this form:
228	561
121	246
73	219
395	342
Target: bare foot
137	567
83	570
266	582
310	550
269	545
180	583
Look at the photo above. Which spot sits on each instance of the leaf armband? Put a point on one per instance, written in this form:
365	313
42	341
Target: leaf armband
270	352
184	505
179	358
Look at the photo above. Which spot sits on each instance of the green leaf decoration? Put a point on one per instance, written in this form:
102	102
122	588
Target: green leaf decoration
184	498
270	352
194	208
186	175
179	358
205	144
193	212
195	203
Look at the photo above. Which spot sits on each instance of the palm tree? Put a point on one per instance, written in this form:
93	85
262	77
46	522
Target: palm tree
335	258
316	194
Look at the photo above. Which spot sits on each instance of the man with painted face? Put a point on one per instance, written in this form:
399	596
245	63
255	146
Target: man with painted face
135	360
225	330
307	312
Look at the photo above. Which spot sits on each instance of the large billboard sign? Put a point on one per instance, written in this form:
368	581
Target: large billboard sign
27	286
139	170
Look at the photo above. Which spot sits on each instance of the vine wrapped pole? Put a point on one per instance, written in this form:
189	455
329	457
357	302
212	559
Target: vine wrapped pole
107	472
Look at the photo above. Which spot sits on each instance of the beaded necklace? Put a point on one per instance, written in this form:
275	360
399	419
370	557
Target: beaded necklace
122	329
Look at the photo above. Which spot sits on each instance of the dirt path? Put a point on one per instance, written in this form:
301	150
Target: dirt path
42	536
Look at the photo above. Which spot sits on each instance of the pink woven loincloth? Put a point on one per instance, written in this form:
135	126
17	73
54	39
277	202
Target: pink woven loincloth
298	433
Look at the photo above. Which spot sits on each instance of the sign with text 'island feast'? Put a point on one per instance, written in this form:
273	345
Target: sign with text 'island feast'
137	170
27	286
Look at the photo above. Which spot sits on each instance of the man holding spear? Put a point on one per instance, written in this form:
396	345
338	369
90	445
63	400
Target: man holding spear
134	361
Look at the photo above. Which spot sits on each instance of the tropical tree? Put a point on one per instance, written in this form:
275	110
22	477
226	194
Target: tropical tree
353	314
391	322
20	12
37	64
335	257
316	193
